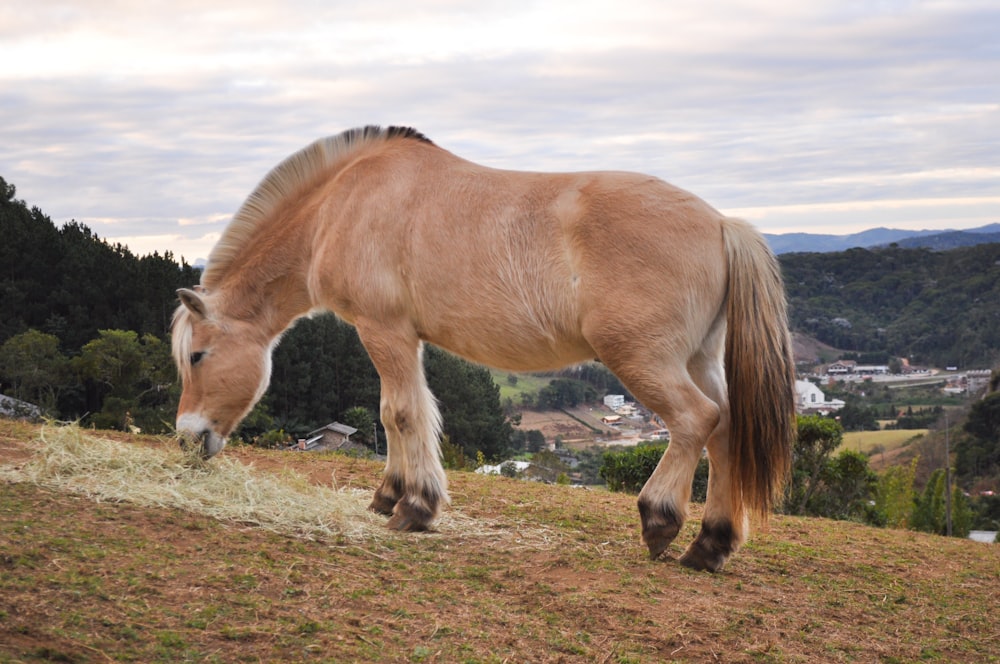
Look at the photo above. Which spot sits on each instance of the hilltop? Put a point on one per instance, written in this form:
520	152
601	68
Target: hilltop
516	572
782	243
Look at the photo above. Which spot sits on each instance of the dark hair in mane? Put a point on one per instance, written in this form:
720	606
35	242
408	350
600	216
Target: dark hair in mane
286	179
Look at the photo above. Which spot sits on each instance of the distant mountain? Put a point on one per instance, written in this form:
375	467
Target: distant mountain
949	240
880	237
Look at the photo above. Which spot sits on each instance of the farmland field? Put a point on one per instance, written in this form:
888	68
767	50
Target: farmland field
885	440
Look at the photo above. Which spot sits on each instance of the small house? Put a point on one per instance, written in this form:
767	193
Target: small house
841	367
333	437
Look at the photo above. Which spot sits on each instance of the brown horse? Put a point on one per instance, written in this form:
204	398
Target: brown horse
520	271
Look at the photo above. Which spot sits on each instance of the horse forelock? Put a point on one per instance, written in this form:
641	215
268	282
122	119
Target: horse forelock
288	178
180	341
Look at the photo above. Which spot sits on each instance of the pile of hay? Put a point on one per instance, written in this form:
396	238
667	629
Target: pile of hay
68	458
71	459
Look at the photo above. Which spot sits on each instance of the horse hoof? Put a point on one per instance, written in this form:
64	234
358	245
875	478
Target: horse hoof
711	549
660	526
409	518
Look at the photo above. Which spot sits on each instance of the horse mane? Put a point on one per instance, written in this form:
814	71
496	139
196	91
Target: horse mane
180	342
288	178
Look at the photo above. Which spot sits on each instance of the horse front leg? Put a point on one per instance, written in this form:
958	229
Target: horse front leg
414	485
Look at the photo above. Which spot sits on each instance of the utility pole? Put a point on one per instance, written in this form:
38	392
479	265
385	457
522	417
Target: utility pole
947	476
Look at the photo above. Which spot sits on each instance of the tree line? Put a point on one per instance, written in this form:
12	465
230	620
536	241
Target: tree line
934	308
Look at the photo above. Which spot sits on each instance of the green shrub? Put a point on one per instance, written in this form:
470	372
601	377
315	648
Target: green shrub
627	470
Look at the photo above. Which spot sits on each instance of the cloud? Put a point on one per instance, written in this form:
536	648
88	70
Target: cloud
155	121
853	216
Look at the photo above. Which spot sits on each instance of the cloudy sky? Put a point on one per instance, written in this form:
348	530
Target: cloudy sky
152	121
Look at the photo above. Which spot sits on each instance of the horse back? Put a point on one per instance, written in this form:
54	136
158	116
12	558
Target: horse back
503	267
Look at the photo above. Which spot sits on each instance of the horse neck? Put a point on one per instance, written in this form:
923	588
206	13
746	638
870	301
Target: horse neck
268	284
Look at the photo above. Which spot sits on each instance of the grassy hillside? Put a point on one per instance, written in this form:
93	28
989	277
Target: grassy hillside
517	572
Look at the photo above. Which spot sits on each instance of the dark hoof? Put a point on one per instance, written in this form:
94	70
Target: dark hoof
713	546
660	526
386	496
410	518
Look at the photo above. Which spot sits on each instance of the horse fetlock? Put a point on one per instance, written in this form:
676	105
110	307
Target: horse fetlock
712	548
383	503
660	525
387	495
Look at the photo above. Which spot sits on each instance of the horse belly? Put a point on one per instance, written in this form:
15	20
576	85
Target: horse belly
508	332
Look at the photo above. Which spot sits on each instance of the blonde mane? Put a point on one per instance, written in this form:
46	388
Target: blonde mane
284	181
180	342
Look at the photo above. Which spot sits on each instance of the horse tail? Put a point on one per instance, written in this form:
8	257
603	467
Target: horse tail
760	372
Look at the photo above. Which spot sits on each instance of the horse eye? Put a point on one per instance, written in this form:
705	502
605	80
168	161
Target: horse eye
197	357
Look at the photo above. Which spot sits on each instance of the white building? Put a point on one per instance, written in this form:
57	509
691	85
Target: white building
614	401
488	469
809	398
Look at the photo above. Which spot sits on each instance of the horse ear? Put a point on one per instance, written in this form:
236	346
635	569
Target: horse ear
192	301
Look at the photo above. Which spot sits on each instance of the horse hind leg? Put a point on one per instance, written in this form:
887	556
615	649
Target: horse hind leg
414	484
663	501
724	524
667	389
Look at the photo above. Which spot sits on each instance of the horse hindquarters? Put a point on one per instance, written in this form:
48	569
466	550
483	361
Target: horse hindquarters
740	408
652	361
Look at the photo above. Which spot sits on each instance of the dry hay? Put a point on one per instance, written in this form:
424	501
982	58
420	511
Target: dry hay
68	458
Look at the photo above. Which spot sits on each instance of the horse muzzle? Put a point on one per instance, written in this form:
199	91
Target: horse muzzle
195	433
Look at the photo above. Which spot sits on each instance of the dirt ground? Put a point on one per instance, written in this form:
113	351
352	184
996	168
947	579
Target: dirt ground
570	425
554	423
552	574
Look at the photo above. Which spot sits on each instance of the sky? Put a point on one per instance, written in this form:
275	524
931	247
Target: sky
152	121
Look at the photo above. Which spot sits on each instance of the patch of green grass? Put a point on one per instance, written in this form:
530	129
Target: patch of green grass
170	640
521	384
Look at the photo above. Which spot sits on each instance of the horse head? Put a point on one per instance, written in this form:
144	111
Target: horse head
225	366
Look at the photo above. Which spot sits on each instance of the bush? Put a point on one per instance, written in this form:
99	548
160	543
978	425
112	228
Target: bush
453	456
847	487
894	495
628	470
929	513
